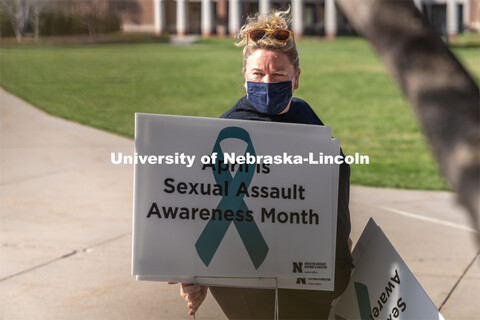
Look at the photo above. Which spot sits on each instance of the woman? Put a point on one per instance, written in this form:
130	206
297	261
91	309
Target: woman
271	70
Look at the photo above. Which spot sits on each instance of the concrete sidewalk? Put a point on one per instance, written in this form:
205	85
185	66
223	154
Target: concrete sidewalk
65	229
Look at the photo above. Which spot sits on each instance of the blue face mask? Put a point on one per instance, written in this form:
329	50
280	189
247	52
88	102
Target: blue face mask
269	97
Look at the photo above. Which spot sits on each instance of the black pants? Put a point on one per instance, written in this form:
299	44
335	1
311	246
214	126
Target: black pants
245	303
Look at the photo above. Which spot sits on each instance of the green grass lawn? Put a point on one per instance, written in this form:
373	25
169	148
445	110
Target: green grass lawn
104	85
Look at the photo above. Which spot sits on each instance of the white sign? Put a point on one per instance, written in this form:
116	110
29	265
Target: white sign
382	286
268	220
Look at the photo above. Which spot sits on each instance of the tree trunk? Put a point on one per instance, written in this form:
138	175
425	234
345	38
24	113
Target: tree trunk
36	23
18	11
443	95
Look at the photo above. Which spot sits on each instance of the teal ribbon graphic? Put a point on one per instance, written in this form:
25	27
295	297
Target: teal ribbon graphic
211	237
363	300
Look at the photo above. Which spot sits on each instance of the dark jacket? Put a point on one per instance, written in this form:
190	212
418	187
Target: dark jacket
245	303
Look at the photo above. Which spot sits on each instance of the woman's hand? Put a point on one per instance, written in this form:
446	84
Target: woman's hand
193	294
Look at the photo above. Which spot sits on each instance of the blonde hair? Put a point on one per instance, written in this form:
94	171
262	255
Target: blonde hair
272	20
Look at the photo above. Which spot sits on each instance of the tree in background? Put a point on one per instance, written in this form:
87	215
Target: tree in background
23	13
444	96
37	8
62	18
18	11
128	8
97	15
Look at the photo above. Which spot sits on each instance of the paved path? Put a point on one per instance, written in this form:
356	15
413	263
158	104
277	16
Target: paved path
65	229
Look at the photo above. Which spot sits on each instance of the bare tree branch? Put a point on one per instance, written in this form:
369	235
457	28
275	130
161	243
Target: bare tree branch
444	96
18	11
92	12
37	8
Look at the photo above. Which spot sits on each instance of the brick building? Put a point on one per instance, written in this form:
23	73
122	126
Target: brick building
309	17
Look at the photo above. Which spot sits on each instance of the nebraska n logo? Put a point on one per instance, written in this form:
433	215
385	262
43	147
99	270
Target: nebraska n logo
297	267
211	237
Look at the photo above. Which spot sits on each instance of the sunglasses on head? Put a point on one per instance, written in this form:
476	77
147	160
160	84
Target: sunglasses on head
281	35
